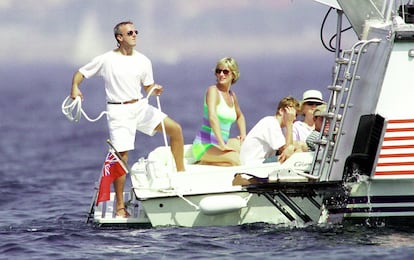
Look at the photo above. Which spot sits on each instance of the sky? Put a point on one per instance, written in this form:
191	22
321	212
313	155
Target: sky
74	31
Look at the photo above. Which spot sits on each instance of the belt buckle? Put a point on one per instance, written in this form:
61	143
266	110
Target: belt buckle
131	101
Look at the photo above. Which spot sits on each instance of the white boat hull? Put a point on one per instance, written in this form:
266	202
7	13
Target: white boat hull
173	211
205	196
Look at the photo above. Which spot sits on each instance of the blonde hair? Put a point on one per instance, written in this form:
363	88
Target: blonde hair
232	65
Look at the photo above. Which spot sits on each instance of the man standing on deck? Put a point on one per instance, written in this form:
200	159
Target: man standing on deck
124	71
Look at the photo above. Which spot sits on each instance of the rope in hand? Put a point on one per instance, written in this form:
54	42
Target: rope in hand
72	109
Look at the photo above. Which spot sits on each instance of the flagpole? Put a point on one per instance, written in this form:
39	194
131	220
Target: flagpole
93	202
119	156
95	195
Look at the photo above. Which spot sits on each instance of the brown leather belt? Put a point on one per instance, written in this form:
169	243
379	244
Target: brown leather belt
123	103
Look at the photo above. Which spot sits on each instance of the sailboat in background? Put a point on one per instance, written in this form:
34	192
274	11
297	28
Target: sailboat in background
87	42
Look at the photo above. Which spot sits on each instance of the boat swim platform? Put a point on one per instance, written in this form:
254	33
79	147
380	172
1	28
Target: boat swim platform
328	194
105	214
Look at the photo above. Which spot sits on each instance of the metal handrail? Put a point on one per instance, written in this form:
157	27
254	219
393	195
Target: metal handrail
335	106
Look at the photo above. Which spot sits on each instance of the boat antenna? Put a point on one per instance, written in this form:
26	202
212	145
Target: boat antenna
322	29
337	35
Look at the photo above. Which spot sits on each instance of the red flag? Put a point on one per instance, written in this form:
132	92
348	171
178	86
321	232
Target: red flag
111	170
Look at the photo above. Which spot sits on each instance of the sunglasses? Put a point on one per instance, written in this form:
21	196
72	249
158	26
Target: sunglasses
225	72
130	33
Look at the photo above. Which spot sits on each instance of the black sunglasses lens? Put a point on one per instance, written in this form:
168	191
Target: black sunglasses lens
225	72
130	33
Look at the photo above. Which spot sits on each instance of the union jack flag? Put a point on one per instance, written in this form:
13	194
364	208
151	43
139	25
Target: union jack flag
111	170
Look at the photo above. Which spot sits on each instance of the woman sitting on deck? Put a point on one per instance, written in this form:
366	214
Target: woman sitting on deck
212	145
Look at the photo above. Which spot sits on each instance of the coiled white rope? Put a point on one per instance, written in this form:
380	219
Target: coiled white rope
72	109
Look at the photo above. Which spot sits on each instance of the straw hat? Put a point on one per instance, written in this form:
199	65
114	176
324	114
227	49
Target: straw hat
313	96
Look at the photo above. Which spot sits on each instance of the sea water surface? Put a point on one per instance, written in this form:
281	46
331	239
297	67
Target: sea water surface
50	165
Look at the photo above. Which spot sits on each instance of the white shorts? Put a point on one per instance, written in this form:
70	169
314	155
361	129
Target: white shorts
124	120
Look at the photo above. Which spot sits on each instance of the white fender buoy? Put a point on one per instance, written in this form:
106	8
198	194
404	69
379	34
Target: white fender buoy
220	204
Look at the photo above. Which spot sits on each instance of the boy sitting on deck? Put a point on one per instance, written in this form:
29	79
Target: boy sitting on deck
272	135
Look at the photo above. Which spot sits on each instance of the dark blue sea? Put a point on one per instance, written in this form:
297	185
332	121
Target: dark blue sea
50	165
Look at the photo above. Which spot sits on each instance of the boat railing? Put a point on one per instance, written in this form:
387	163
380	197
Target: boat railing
345	76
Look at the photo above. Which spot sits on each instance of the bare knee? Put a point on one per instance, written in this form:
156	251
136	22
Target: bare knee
172	128
176	130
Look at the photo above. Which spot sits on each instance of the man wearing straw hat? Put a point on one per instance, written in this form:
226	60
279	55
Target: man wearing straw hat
301	129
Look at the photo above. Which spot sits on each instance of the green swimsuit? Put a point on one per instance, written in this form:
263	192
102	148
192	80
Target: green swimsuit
205	138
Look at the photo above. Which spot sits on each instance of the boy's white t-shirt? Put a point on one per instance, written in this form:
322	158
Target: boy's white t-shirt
262	141
123	74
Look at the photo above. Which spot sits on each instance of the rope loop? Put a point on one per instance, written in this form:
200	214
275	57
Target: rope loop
72	108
